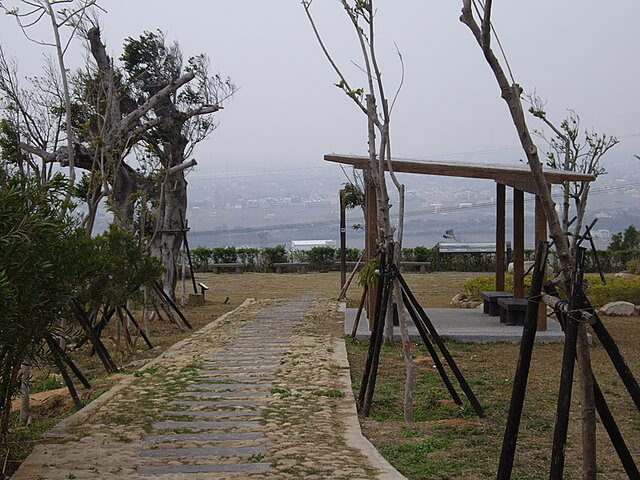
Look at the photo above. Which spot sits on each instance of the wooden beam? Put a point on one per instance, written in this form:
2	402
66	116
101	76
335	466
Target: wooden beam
541	235
500	235
501	173
518	243
528	186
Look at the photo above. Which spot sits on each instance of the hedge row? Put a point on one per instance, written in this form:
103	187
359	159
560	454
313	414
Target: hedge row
616	289
262	259
323	258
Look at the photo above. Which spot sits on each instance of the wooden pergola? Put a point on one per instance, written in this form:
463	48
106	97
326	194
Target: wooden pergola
519	179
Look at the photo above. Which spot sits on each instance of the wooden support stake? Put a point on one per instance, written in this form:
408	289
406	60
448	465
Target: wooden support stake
165	299
135	323
369	362
98	346
617	440
443	349
616	357
377	346
566	380
63	371
524	363
74	368
356	321
432	351
186	246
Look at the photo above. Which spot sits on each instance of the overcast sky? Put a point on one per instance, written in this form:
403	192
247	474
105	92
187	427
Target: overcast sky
287	113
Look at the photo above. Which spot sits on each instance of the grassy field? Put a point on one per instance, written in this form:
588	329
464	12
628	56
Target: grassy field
445	441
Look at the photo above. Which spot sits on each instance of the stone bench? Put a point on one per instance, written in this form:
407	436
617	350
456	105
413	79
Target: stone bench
512	310
300	267
490	302
228	267
422	265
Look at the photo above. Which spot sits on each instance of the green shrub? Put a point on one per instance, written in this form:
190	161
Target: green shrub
616	289
298	256
353	254
633	266
224	254
487	283
322	258
271	255
201	257
249	256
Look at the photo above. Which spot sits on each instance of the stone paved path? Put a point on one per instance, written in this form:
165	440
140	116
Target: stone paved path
263	392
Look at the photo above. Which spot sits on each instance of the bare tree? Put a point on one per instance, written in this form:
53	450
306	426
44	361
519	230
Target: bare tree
568	151
61	14
373	102
33	114
511	93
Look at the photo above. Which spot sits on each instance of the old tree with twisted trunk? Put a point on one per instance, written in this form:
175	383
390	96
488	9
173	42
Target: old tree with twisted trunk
180	121
135	128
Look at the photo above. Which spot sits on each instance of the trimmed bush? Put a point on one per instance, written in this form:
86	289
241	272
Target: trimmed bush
201	257
322	258
616	289
249	256
224	255
271	255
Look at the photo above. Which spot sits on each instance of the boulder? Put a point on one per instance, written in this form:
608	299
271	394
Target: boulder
459	298
637	309
618	309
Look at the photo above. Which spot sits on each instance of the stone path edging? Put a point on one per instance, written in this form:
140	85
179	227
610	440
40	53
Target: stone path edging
353	433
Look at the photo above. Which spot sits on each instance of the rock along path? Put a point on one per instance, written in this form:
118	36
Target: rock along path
262	392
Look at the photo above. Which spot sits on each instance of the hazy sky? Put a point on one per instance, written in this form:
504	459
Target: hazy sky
287	113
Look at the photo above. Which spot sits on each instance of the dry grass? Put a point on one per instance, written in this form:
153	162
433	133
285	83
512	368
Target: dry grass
448	442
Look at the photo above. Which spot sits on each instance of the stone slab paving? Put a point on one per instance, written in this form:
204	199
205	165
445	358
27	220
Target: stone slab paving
263	392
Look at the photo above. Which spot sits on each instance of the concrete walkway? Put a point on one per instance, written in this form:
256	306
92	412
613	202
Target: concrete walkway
263	392
463	325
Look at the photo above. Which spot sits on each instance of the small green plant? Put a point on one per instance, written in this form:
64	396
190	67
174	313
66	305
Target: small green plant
369	274
331	393
283	392
45	382
149	370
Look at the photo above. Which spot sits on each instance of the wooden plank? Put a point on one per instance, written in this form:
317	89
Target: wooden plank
494	172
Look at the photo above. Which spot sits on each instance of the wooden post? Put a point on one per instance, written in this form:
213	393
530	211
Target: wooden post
343	240
518	243
541	236
500	236
371	236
